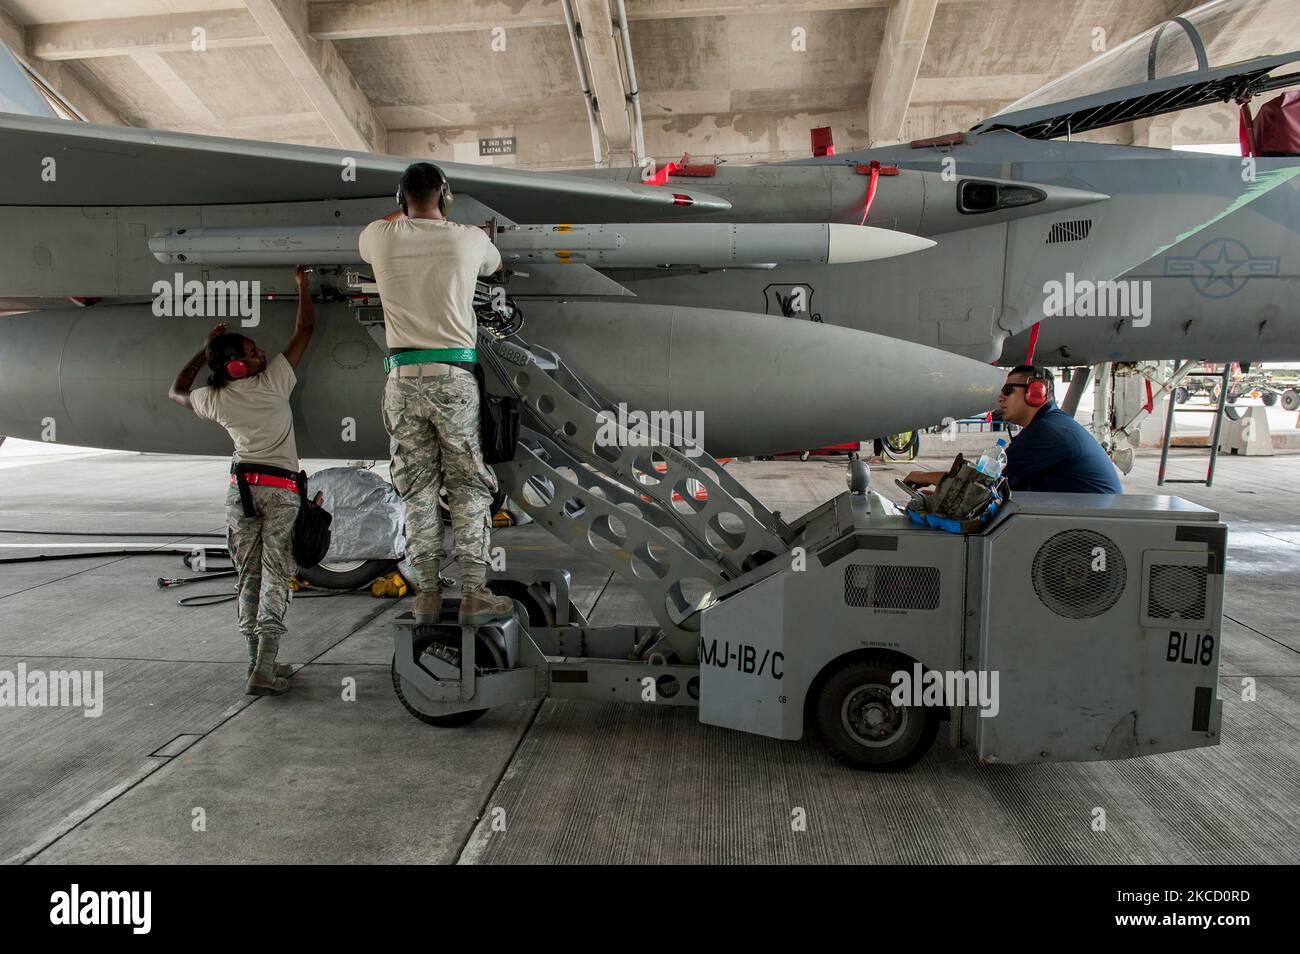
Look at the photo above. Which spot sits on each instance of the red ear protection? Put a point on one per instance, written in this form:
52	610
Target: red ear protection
236	368
1036	392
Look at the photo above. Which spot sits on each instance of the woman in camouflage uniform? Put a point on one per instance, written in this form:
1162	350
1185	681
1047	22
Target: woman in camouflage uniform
249	396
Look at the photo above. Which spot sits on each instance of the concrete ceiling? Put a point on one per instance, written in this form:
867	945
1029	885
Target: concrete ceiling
741	79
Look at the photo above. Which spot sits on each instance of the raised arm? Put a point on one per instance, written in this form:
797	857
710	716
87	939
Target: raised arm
305	323
184	383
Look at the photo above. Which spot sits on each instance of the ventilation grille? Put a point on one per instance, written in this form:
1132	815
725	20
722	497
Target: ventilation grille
881	586
1176	592
1079	574
1073	231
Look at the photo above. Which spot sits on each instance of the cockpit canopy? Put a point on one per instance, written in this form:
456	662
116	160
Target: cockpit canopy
1214	53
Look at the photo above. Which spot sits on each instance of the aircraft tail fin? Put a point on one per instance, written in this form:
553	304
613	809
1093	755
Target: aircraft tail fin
18	94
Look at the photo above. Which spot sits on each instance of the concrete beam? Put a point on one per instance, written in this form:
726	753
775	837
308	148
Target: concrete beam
749	137
348	20
605	74
324	76
59	77
166	33
907	30
173	87
285	127
353	21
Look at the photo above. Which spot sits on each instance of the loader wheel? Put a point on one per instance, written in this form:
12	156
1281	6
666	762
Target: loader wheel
858	724
1269	398
1290	399
486	656
1181	395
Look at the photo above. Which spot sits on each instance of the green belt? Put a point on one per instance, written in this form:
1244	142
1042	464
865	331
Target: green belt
429	356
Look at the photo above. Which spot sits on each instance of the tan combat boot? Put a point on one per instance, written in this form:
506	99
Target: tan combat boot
479	606
283	670
264	680
262	683
428	606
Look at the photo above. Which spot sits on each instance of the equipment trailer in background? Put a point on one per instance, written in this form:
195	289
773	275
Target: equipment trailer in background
1079	627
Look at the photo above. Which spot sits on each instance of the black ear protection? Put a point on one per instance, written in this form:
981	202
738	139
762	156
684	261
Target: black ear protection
444	194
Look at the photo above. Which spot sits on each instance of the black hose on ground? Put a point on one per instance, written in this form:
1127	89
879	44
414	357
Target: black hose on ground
205	599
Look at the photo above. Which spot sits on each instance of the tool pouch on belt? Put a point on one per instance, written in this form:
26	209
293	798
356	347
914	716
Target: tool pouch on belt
498	421
311	528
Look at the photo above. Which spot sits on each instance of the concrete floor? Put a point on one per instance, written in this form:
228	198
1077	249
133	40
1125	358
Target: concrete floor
312	777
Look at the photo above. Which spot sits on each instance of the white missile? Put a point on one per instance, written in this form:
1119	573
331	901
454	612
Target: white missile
626	244
708	244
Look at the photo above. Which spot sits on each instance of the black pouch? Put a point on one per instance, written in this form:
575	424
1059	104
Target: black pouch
498	422
311	528
311	531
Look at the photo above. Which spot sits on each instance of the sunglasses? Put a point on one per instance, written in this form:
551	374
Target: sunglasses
1010	389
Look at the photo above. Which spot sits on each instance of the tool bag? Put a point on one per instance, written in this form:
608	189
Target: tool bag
311	528
964	500
498	422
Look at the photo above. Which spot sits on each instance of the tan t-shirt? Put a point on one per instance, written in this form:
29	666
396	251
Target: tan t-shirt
255	412
426	270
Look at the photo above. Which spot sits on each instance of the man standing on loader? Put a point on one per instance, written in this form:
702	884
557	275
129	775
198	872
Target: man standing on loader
426	268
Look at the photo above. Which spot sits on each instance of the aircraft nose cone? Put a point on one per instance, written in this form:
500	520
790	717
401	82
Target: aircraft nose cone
763	385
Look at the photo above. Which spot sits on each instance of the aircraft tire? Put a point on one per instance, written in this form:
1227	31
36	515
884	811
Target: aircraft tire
346	576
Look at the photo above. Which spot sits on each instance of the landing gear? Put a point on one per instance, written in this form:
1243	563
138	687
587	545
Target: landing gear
860	726
900	447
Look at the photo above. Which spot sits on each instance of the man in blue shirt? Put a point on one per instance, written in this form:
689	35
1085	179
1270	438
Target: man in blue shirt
1053	453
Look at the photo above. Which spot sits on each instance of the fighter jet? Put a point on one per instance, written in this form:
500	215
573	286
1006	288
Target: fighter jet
793	304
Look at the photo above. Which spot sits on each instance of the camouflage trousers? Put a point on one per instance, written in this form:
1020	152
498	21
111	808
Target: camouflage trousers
433	430
262	550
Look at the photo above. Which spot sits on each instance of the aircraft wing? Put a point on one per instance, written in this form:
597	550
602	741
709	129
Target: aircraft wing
98	165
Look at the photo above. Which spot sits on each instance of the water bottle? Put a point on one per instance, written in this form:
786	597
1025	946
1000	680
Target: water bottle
993	461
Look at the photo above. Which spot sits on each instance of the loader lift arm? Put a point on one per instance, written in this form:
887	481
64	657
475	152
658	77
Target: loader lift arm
611	501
